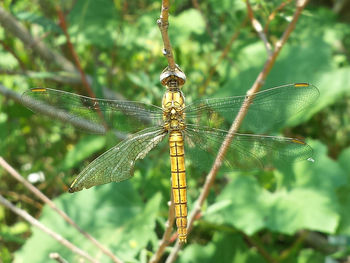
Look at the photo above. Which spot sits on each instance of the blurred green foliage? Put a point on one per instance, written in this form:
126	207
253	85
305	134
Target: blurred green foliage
246	217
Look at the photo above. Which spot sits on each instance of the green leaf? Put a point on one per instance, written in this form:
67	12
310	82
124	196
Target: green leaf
344	158
308	202
343	193
224	248
113	214
82	150
188	22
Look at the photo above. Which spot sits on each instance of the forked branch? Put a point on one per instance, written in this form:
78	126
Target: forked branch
258	28
51	204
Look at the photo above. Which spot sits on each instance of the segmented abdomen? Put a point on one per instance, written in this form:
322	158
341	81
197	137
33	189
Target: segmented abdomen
178	182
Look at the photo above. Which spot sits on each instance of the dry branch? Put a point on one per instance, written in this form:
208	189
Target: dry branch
10	24
64	27
167	233
163	24
47	201
258	28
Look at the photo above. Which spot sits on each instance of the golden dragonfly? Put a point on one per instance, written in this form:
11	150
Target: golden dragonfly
194	126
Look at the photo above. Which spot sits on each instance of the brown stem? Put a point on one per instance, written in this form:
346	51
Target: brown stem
10	24
237	122
274	13
84	80
64	27
163	24
167	233
258	28
47	201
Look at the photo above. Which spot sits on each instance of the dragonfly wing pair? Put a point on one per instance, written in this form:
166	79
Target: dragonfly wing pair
203	118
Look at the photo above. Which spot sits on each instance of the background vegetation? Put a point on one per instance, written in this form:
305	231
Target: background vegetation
298	214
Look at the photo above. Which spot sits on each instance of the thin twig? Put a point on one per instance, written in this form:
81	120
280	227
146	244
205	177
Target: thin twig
47	201
167	233
64	27
259	29
16	28
22	198
237	122
274	13
163	24
45	229
84	80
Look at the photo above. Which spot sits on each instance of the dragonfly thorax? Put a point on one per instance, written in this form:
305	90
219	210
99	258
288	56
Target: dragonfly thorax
173	105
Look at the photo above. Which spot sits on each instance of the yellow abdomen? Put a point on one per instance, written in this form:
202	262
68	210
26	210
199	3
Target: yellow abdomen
178	182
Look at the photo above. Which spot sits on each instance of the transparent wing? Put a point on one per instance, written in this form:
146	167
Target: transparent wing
269	107
101	113
247	151
117	164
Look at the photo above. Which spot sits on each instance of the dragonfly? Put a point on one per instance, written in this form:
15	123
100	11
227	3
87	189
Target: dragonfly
195	127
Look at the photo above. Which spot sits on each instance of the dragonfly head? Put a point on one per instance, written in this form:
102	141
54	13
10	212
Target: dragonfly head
173	78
